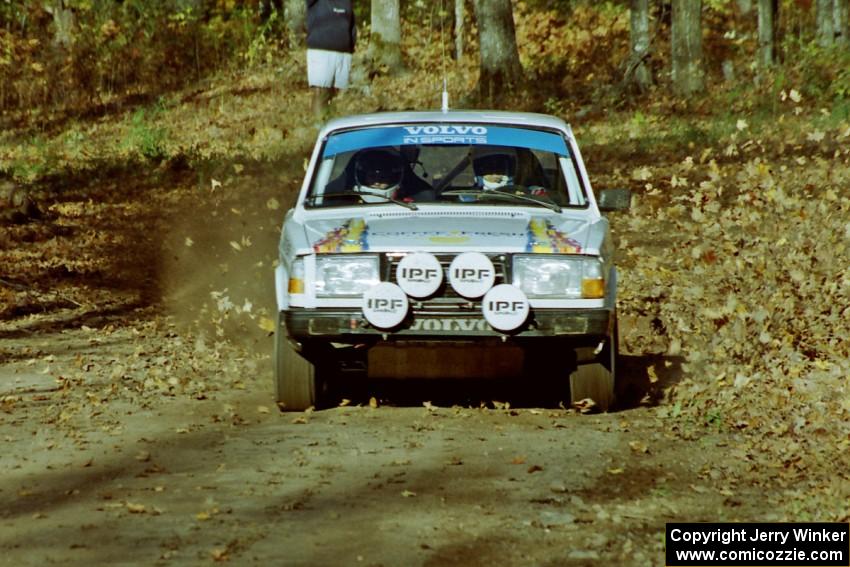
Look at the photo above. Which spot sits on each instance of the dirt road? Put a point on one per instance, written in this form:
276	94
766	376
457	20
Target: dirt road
137	431
135	444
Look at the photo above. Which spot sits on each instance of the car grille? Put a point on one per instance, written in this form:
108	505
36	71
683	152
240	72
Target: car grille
446	297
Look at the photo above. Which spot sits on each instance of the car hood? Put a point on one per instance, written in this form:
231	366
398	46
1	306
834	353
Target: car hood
500	233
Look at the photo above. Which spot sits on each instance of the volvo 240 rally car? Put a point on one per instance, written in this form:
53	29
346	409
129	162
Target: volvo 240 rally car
441	244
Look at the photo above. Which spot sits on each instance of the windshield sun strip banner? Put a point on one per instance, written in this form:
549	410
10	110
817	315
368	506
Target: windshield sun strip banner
444	134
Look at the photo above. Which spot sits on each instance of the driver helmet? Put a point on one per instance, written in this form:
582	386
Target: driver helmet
494	168
378	174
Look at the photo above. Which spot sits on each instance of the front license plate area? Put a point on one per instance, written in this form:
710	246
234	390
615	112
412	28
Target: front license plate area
445	361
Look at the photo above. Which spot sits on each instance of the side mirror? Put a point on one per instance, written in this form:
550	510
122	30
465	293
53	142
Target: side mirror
614	200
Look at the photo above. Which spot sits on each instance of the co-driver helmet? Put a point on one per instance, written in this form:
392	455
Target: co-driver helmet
494	167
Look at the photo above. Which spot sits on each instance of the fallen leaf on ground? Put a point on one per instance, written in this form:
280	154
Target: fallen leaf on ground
136	508
585	406
266	324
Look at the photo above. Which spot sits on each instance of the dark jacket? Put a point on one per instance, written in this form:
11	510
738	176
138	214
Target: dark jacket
330	25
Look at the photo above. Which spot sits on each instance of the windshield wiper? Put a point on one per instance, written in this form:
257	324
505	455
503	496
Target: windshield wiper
506	192
312	199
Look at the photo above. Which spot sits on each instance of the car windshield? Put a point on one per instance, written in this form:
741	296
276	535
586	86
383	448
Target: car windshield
472	164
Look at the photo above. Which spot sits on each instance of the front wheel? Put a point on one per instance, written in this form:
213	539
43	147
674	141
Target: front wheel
598	379
296	383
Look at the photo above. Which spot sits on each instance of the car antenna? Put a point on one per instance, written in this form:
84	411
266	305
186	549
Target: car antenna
445	106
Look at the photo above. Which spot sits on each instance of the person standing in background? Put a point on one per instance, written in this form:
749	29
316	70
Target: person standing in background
331	36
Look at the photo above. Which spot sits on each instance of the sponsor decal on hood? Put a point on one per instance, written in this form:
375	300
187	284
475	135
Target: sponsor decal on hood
544	238
539	235
352	236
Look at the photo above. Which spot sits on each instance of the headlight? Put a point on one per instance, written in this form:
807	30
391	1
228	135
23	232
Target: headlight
345	275
559	277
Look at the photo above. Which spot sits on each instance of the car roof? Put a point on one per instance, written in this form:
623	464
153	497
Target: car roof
469	116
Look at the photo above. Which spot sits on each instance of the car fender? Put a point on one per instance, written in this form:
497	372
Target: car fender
281	286
293	243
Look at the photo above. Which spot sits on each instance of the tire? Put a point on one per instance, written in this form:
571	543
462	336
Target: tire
597	380
296	385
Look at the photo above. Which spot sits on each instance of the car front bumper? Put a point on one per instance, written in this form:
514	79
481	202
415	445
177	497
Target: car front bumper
349	326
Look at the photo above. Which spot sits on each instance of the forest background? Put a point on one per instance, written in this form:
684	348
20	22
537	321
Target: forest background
728	119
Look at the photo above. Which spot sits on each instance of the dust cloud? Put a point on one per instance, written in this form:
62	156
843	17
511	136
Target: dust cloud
218	256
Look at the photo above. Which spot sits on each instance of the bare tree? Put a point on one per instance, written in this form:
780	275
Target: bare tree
768	13
16	206
296	21
637	69
825	23
499	58
459	17
64	22
686	44
385	39
841	14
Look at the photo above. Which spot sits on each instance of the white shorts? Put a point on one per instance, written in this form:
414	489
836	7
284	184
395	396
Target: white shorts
328	68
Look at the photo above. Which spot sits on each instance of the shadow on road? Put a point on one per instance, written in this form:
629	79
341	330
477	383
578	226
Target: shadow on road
641	381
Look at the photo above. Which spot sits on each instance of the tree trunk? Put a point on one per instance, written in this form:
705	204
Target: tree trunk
745	6
385	39
638	70
296	22
459	17
686	44
500	69
64	23
825	19
768	11
16	206
842	13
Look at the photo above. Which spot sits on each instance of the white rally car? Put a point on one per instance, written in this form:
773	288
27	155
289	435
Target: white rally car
446	244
